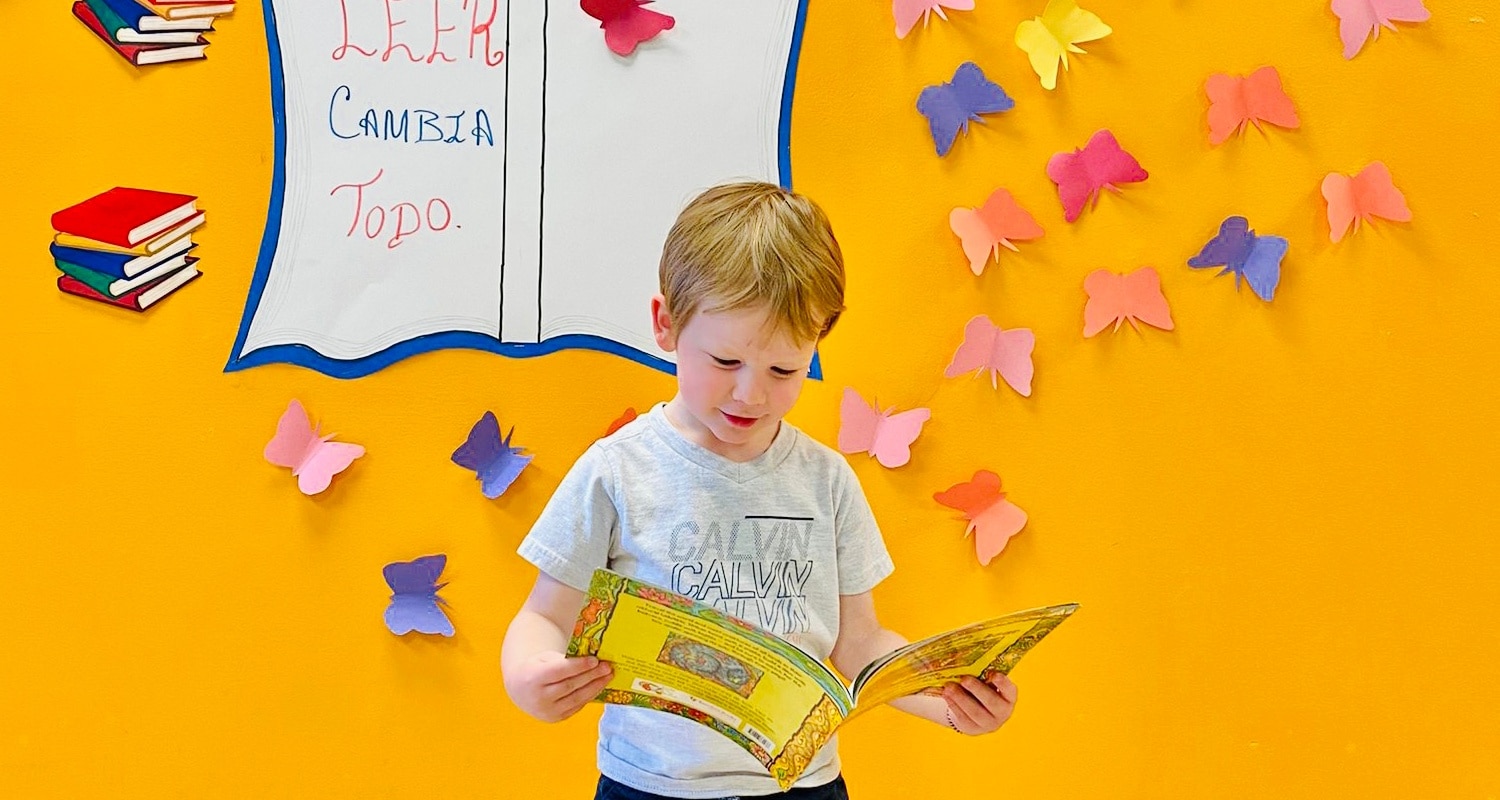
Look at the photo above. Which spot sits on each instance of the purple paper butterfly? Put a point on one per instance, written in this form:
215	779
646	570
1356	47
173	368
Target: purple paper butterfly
1238	249
494	461
414	602
950	107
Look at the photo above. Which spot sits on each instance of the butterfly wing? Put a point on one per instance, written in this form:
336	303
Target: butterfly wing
1357	23
1229	248
1072	26
1388	11
294	438
895	434
1338	190
908	12
1074	186
1227	106
1106	303
974	353
1107	162
1007	221
620	421
1042	49
1267	101
1376	195
418	576
1144	300
1262	267
499	474
975	236
944	116
326	460
420	613
483	446
858	422
627	23
977	94
1011	358
994	527
973	496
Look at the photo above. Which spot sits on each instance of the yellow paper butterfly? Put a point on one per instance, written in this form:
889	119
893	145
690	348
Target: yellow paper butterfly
1049	38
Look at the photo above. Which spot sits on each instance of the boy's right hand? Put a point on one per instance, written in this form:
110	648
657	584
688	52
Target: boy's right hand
552	687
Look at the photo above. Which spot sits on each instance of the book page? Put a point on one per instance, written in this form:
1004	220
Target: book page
686	658
981	650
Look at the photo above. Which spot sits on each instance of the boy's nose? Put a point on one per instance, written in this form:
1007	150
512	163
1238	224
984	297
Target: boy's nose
750	391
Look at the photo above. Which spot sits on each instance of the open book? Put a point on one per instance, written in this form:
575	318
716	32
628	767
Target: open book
771	698
487	174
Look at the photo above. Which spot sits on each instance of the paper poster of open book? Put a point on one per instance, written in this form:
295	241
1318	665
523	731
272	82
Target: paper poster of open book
778	702
436	188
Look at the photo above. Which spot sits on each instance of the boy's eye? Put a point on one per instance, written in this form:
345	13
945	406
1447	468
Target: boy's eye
783	373
725	362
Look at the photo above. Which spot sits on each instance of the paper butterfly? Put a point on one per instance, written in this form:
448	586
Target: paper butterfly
882	434
1359	20
1369	194
1049	38
621	421
415	605
1115	298
313	459
988	347
626	23
984	230
1238	249
992	518
1235	102
909	11
950	107
494	461
1081	174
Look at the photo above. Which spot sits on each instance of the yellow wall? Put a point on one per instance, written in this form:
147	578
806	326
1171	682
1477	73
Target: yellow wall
1278	519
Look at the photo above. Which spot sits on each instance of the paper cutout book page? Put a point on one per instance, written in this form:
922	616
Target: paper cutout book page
435	187
774	700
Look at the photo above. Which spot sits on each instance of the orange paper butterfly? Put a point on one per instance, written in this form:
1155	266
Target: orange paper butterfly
992	518
1369	194
984	230
1115	298
1234	102
621	421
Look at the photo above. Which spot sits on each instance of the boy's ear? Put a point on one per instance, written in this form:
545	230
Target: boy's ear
661	324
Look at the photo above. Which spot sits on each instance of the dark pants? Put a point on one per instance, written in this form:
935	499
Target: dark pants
833	790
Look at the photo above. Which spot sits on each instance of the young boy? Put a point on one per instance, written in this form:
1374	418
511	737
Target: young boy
712	482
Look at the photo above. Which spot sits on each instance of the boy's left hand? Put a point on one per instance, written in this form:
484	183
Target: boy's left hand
976	708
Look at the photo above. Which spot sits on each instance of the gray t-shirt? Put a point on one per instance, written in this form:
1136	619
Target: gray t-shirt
773	541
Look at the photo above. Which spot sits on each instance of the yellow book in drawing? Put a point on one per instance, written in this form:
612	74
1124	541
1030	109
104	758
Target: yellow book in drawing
771	698
155	244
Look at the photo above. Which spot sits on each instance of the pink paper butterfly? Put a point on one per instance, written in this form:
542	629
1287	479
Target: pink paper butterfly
882	434
626	23
992	518
1359	20
1081	174
312	458
1004	353
909	11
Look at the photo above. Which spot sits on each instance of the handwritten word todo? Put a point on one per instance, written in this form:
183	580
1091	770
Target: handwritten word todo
422	39
406	218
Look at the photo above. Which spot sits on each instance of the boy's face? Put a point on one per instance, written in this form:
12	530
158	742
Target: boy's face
735	379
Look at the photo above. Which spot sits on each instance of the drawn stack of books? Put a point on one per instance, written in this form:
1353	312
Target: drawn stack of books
152	31
126	247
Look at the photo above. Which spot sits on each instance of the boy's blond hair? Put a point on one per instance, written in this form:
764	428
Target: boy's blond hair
752	245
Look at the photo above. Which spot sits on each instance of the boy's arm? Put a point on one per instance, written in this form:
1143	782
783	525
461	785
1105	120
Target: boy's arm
539	678
972	707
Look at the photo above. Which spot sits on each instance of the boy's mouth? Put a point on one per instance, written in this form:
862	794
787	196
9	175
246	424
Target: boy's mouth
738	422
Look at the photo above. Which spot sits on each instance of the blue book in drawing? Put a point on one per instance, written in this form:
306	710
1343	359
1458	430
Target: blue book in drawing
119	265
501	194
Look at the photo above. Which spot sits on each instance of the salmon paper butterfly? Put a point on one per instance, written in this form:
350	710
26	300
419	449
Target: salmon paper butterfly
983	231
886	435
1360	20
1085	172
620	421
1047	40
909	11
1247	254
313	459
1235	103
495	463
1364	197
992	519
989	348
415	605
950	107
1115	298
627	23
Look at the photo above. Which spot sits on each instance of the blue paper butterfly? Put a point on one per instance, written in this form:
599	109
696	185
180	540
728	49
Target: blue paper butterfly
494	461
414	602
950	107
1238	249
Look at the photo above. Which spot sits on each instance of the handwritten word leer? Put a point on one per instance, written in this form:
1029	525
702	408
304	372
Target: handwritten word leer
422	34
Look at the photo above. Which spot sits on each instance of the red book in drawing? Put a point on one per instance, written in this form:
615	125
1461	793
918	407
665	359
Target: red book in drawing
138	299
124	216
